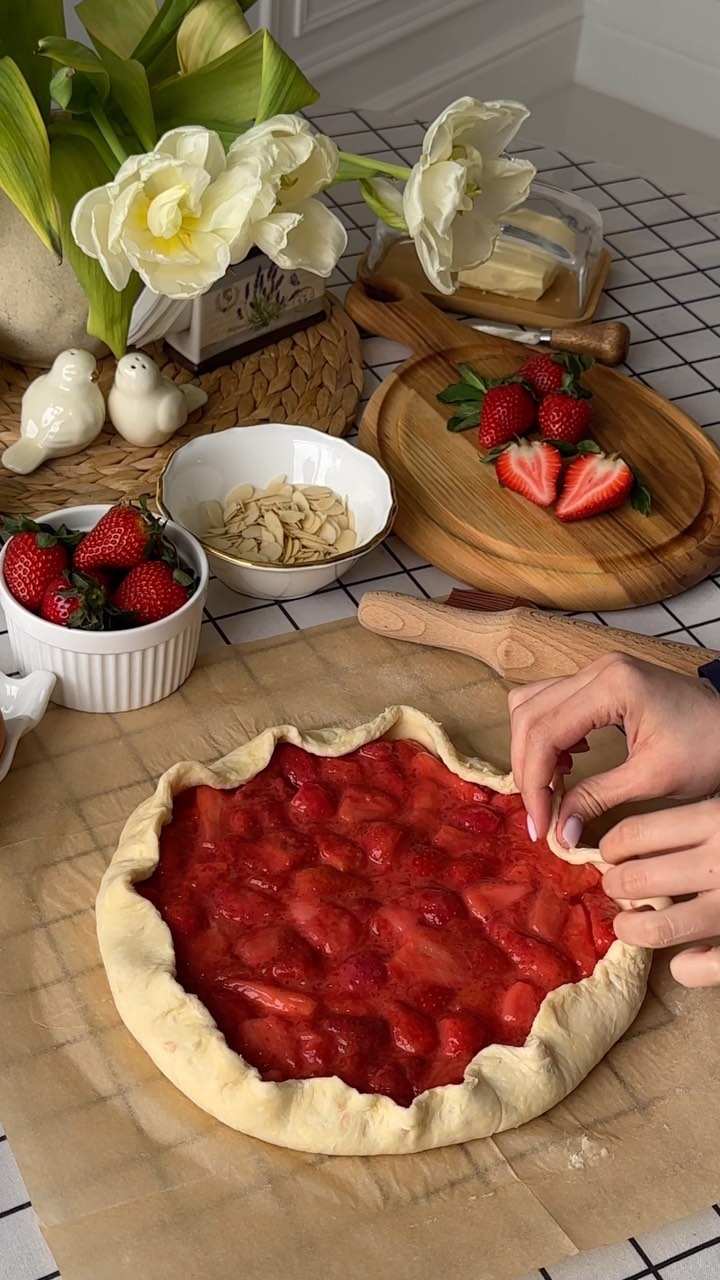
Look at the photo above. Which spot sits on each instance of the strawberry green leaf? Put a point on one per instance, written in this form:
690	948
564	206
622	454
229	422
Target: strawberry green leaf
640	498
467	416
460	393
563	447
469	375
588	446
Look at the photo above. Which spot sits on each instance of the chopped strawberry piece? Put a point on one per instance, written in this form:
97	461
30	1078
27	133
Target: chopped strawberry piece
487	899
183	917
283	850
314	801
424	959
342	772
431	998
317	1051
519	1007
425	765
377	751
269	1044
410	1031
364	974
425	863
438	907
456	842
337	851
392	1081
233	902
332	930
296	764
381	841
462	1035
317	884
395	925
387	779
360	804
286	1004
243	821
462	872
357	1035
578	938
479	818
209	801
537	961
601	911
261	946
547	915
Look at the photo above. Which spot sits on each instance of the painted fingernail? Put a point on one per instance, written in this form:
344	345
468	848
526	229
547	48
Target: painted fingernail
572	831
532	829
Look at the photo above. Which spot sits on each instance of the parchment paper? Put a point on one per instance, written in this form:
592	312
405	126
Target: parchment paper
131	1180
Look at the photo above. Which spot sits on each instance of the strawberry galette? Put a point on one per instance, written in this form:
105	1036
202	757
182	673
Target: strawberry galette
344	941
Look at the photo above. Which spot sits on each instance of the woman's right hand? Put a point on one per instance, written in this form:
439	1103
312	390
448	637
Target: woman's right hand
671	723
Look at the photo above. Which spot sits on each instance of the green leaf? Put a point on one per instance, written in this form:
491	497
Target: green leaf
76	169
468	374
460	393
23	25
83	129
587	446
385	200
640	498
78	58
119	26
25	156
211	28
254	81
162	30
129	88
467	416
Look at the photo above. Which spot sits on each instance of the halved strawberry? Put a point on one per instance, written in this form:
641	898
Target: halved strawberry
529	468
597	482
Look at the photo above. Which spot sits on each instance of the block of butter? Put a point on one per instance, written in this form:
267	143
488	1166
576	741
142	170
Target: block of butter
520	270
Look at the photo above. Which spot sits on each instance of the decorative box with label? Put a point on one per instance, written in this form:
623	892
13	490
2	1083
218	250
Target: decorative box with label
255	303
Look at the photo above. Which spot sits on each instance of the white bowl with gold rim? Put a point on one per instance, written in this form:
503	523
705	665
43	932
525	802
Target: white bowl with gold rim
207	468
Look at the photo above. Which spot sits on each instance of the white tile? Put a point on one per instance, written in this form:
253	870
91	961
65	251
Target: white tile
661	266
708	634
598	197
712	222
673	383
647	619
704	255
258	625
24	1254
210	638
359	143
399	582
634	242
383	351
357	241
616	1263
609	309
544	159
360	213
652	355
409	558
329	606
638	331
708	309
568	178
435	582
403	135
631	190
654	212
622	273
371	382
703	409
696	205
374	565
699	1266
641	297
700	604
592	618
710	369
604	173
666	321
618	219
223	600
682	233
12	1188
691	287
702	345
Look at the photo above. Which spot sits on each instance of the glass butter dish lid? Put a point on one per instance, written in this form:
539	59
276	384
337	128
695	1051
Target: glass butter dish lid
548	265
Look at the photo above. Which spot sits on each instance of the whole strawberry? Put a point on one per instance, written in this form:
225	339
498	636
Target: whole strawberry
122	538
565	415
34	556
74	600
553	372
507	411
152	591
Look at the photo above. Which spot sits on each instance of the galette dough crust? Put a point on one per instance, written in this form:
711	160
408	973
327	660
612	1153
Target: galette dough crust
503	1087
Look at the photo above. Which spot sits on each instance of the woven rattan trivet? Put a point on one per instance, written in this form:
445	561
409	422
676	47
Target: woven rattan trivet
313	378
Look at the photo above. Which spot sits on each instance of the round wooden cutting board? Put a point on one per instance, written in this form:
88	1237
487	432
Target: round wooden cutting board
453	512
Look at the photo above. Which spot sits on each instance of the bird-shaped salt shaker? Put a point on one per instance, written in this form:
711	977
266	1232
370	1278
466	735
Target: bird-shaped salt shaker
146	407
61	413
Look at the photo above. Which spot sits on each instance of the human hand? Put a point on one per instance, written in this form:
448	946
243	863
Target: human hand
670	854
671	723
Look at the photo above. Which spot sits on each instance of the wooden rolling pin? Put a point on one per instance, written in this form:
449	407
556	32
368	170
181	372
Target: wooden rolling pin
521	645
391	309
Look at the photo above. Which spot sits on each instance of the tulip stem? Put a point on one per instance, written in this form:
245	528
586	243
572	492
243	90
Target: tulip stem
108	133
364	166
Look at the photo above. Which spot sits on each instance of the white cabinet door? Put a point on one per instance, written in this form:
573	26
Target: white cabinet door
417	55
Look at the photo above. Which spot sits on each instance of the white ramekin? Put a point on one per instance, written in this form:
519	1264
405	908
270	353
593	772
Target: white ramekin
110	670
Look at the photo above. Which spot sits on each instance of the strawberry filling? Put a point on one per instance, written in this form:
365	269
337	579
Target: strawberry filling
372	917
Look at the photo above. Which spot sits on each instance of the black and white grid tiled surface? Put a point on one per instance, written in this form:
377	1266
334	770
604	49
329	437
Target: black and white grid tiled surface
665	284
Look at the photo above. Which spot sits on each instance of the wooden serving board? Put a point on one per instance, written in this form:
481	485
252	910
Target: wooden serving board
453	512
557	306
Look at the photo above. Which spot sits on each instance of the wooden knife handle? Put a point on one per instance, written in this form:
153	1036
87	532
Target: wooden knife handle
607	342
521	645
391	309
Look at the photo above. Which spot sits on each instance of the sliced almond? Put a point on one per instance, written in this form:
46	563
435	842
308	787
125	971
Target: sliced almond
346	542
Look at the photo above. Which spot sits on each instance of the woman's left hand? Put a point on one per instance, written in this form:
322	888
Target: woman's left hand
670	854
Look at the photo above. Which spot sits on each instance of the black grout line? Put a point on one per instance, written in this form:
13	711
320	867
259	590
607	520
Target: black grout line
17	1208
51	1275
652	1271
3	1137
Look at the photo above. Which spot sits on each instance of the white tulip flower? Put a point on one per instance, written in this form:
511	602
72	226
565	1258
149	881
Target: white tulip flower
462	185
289	225
177	215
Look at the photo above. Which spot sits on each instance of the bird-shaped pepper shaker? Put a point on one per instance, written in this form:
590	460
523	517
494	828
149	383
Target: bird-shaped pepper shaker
61	413
145	406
